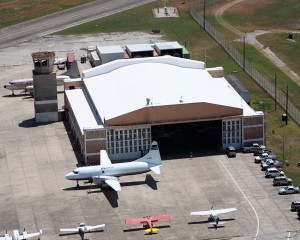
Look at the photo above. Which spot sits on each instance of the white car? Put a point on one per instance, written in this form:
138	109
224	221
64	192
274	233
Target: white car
288	190
273	172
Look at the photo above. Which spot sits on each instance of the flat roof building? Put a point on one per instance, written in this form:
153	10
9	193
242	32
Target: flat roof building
129	103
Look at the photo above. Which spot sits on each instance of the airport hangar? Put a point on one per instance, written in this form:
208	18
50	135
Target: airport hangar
123	105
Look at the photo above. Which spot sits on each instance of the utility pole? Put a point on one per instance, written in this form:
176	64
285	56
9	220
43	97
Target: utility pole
204	6
244	53
275	78
286	104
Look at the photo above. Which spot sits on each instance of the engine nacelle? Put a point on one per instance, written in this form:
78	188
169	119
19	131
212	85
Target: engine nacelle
98	180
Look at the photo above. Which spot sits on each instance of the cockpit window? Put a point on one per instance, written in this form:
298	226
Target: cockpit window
75	172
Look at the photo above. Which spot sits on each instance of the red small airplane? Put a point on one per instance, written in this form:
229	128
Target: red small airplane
147	221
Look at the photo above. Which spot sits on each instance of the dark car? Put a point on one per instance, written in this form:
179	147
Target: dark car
230	151
295	206
266	150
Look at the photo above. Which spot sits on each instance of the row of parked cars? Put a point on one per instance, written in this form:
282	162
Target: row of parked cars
274	169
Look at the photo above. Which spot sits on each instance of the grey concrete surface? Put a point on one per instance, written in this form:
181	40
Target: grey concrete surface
34	194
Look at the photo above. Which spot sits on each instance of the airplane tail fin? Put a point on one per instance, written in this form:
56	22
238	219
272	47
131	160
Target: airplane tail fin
152	157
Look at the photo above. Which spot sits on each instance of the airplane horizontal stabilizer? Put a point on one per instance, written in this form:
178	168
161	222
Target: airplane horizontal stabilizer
215	223
156	169
95	227
151	230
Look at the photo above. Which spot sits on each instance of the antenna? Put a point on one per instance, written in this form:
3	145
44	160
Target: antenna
148	101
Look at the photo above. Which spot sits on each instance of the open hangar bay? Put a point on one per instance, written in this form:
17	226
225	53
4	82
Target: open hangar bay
183	138
35	195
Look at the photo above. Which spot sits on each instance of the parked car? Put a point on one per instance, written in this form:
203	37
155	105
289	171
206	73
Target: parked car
282	180
263	157
255	147
275	163
230	151
288	190
295	206
273	172
265	150
278	168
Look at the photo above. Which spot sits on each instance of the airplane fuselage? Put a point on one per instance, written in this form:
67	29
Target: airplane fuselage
22	84
117	170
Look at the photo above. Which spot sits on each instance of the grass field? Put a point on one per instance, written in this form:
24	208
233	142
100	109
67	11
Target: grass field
17	11
187	32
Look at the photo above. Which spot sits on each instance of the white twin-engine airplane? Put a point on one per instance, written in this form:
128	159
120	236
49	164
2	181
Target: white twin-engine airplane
27	84
81	229
16	235
213	215
108	173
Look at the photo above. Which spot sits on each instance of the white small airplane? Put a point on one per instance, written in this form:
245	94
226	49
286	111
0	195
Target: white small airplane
213	215
16	235
82	229
108	173
27	84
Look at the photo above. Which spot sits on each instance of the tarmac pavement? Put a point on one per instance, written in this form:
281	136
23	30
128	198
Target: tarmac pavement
34	194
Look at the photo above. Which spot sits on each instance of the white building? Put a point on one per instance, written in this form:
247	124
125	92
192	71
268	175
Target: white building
125	104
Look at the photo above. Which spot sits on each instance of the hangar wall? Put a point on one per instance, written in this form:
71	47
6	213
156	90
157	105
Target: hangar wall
253	130
128	142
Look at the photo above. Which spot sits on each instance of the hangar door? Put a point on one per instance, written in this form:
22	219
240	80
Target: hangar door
181	139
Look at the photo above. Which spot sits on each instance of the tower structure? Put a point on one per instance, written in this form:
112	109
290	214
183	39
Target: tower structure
45	87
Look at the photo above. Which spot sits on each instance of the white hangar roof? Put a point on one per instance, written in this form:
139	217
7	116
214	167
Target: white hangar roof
122	86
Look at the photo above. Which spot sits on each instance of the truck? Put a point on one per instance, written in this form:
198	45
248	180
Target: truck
254	148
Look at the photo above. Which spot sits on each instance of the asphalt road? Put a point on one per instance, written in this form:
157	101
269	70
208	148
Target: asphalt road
65	19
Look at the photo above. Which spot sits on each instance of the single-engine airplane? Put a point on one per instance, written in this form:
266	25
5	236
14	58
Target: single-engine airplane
213	215
148	222
17	236
108	173
82	229
27	84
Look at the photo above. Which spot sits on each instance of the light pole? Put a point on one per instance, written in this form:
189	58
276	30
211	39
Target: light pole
286	104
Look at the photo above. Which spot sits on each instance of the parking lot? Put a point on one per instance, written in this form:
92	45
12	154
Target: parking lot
34	194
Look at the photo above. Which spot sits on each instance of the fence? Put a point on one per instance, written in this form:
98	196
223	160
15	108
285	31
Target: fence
267	85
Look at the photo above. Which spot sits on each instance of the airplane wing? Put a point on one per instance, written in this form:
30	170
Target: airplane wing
161	217
104	159
112	181
135	220
213	212
69	230
94	227
30	235
6	237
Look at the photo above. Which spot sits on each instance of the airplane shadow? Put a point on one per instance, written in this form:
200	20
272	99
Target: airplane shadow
205	221
109	193
143	228
18	95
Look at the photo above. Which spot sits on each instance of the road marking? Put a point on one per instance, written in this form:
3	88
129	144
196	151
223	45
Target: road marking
257	218
289	235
